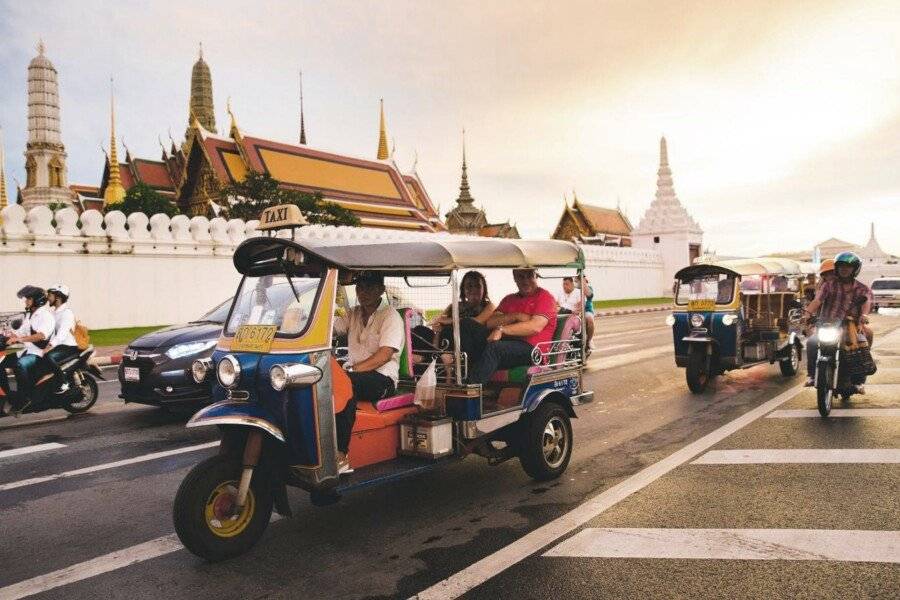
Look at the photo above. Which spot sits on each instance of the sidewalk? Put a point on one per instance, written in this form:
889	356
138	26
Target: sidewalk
633	310
108	355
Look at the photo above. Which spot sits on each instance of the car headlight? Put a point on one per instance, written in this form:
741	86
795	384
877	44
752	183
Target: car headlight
186	349
697	320
296	375
200	369
829	335
728	320
228	371
670	320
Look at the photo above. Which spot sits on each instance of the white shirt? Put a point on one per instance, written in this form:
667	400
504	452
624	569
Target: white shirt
65	325
571	301
384	329
40	321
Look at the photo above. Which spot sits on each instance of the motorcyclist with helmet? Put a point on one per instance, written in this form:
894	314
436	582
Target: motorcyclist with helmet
836	300
62	344
34	334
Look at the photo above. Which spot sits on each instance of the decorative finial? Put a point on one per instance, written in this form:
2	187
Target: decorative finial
663	152
382	134
464	194
393	146
415	160
41	47
114	192
200	57
302	123
235	132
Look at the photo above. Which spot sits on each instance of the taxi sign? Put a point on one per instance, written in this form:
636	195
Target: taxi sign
702	305
283	215
254	338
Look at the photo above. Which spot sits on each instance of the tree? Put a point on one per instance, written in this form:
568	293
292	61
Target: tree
259	191
143	199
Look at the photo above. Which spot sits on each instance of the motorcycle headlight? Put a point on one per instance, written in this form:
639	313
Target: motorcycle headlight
200	369
186	349
228	371
829	335
697	320
729	320
296	375
670	320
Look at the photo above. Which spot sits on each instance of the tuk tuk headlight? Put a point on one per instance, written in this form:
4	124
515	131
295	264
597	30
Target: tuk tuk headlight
829	335
200	369
296	375
670	320
729	320
697	320
228	371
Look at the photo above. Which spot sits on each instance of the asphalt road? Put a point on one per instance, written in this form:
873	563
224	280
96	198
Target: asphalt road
94	507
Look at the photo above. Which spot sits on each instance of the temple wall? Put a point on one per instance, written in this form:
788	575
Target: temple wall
129	271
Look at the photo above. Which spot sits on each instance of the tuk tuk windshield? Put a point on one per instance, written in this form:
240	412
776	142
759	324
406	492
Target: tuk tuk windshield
718	288
271	300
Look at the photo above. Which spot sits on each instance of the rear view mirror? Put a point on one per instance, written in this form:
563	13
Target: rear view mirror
425	281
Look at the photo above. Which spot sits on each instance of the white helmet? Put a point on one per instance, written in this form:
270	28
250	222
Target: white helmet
60	288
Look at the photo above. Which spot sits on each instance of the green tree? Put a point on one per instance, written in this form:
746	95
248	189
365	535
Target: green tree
258	191
144	199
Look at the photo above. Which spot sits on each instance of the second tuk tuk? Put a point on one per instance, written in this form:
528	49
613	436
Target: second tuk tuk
736	314
279	383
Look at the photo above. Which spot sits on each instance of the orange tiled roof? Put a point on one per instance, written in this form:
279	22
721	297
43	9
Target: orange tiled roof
153	173
603	220
89	191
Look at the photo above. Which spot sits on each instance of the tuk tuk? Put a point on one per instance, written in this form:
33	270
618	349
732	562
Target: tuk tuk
278	382
736	314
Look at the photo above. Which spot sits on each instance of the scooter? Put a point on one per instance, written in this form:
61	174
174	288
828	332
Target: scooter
833	376
80	397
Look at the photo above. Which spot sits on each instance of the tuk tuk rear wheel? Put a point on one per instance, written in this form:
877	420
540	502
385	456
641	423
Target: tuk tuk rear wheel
203	508
696	374
546	443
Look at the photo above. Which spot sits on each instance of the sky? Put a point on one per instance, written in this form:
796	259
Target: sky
782	118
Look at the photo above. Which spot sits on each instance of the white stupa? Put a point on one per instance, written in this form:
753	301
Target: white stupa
872	252
667	227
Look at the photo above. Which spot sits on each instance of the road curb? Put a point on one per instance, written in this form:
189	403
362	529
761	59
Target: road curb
632	311
105	361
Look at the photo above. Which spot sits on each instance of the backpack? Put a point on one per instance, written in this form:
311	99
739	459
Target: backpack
82	335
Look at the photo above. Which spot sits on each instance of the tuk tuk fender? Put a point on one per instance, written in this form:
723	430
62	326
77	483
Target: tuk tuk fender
232	412
552	395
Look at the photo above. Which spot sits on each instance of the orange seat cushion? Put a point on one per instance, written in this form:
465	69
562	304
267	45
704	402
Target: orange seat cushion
368	417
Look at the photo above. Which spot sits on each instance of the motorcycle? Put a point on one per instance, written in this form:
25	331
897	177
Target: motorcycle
834	376
81	377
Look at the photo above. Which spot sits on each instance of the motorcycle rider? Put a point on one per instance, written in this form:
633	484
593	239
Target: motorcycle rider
62	344
34	333
836	300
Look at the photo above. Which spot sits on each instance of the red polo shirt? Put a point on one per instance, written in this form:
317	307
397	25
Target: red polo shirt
540	303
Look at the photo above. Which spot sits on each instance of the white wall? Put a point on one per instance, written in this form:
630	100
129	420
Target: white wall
160	271
674	248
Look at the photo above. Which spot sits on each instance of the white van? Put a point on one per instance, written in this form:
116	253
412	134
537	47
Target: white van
886	292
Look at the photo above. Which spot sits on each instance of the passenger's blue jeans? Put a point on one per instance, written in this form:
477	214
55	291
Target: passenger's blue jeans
504	354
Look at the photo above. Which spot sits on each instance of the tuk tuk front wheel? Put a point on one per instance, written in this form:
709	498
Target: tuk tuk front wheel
546	444
696	373
204	511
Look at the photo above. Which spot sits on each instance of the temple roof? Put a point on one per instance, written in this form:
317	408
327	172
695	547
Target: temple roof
592	221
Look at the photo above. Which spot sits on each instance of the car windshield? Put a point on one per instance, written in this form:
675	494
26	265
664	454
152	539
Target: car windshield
270	300
216	315
719	288
886	284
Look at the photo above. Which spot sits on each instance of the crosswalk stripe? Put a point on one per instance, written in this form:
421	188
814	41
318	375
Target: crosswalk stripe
733	544
30	449
798	456
837	412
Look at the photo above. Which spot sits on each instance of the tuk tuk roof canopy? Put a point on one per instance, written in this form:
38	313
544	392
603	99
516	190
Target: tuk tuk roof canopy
260	255
744	267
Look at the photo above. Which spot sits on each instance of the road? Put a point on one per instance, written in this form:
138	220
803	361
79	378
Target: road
85	503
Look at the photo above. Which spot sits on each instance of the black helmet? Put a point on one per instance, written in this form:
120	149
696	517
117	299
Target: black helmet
37	295
848	258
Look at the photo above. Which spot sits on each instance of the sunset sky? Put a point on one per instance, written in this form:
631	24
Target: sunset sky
783	118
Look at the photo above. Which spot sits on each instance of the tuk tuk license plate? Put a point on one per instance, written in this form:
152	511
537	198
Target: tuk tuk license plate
254	338
702	305
132	374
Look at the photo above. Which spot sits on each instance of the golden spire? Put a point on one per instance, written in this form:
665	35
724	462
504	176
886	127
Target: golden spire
114	192
3	199
382	136
234	131
302	123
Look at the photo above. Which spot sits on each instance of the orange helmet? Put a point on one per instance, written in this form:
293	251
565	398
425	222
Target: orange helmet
827	265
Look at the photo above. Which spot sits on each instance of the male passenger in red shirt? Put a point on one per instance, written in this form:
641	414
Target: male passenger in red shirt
522	321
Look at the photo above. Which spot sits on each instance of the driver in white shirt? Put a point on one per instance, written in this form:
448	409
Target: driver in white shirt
62	345
570	299
36	329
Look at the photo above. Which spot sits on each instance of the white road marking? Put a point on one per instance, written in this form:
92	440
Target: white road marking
610	348
493	564
97	566
620	360
734	544
836	412
105	466
30	449
799	456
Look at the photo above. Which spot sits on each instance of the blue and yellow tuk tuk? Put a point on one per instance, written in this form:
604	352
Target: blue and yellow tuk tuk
279	383
736	314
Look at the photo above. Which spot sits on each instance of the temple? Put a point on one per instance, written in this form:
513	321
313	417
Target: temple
589	224
466	219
